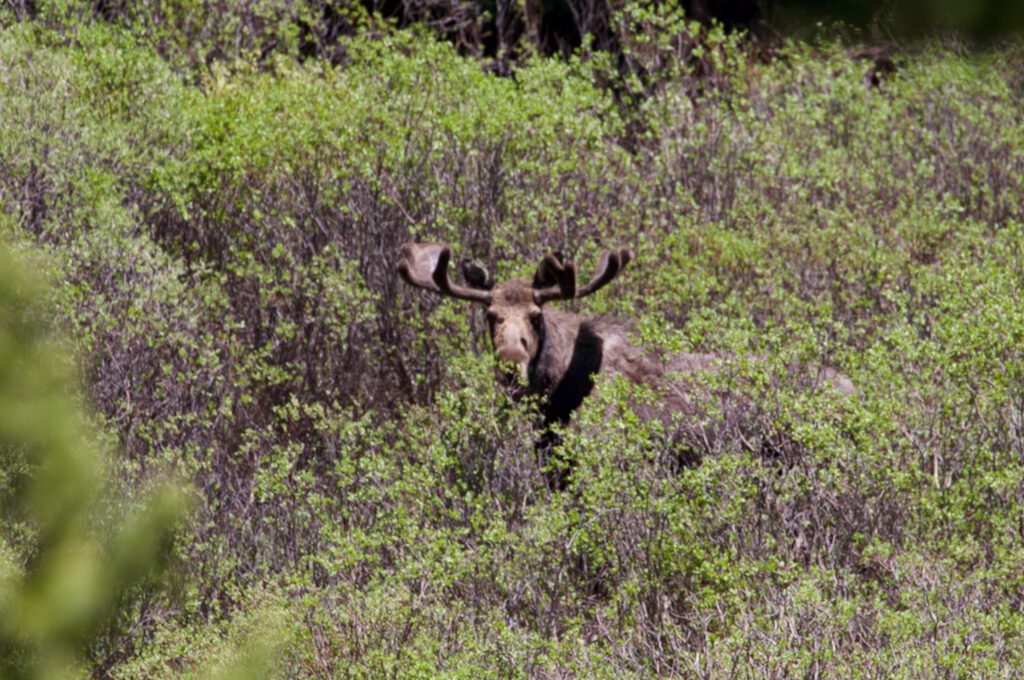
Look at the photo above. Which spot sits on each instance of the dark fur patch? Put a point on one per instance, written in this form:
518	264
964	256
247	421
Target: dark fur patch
578	381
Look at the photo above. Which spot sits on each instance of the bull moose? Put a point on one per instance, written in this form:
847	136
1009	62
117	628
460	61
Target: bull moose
558	354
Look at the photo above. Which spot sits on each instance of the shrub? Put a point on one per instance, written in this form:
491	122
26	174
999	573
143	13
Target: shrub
223	241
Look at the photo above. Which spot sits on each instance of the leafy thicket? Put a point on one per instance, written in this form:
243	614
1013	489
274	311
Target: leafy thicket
222	239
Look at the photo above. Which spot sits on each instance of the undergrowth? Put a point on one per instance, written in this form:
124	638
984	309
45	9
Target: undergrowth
220	243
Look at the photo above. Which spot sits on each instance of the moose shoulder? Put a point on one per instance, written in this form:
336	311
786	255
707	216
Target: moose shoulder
556	353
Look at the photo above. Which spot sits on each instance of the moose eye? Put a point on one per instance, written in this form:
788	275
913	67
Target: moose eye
535	319
492	318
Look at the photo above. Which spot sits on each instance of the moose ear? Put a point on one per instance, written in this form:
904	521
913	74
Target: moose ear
547	272
476	275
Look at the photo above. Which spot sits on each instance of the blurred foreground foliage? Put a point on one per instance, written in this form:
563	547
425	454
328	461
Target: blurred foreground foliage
65	561
221	234
70	556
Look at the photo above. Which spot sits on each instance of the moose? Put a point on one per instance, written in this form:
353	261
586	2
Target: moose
558	354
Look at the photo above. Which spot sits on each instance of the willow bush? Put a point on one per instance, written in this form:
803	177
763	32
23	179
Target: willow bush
222	237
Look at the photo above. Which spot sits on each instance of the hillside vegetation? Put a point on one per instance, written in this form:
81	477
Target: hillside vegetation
218	224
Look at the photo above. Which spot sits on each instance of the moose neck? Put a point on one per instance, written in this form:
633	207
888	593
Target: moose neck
569	355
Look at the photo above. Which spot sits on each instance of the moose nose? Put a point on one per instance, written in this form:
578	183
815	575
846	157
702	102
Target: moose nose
516	355
515	352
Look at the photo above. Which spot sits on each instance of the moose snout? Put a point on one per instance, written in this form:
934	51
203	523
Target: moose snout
515	353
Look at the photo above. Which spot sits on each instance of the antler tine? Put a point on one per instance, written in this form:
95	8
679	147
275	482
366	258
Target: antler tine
404	267
426	266
444	283
611	265
565	278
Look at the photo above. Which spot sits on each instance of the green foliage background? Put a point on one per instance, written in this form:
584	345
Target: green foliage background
219	234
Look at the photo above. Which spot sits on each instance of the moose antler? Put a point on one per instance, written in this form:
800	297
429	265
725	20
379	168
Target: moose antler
611	265
564	275
425	265
555	280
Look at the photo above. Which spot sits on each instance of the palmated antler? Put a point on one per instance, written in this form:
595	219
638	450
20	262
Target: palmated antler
611	264
563	276
425	265
555	280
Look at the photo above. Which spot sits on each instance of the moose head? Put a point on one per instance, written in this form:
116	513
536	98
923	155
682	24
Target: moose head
515	309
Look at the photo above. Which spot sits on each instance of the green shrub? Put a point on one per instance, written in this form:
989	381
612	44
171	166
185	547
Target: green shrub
222	242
